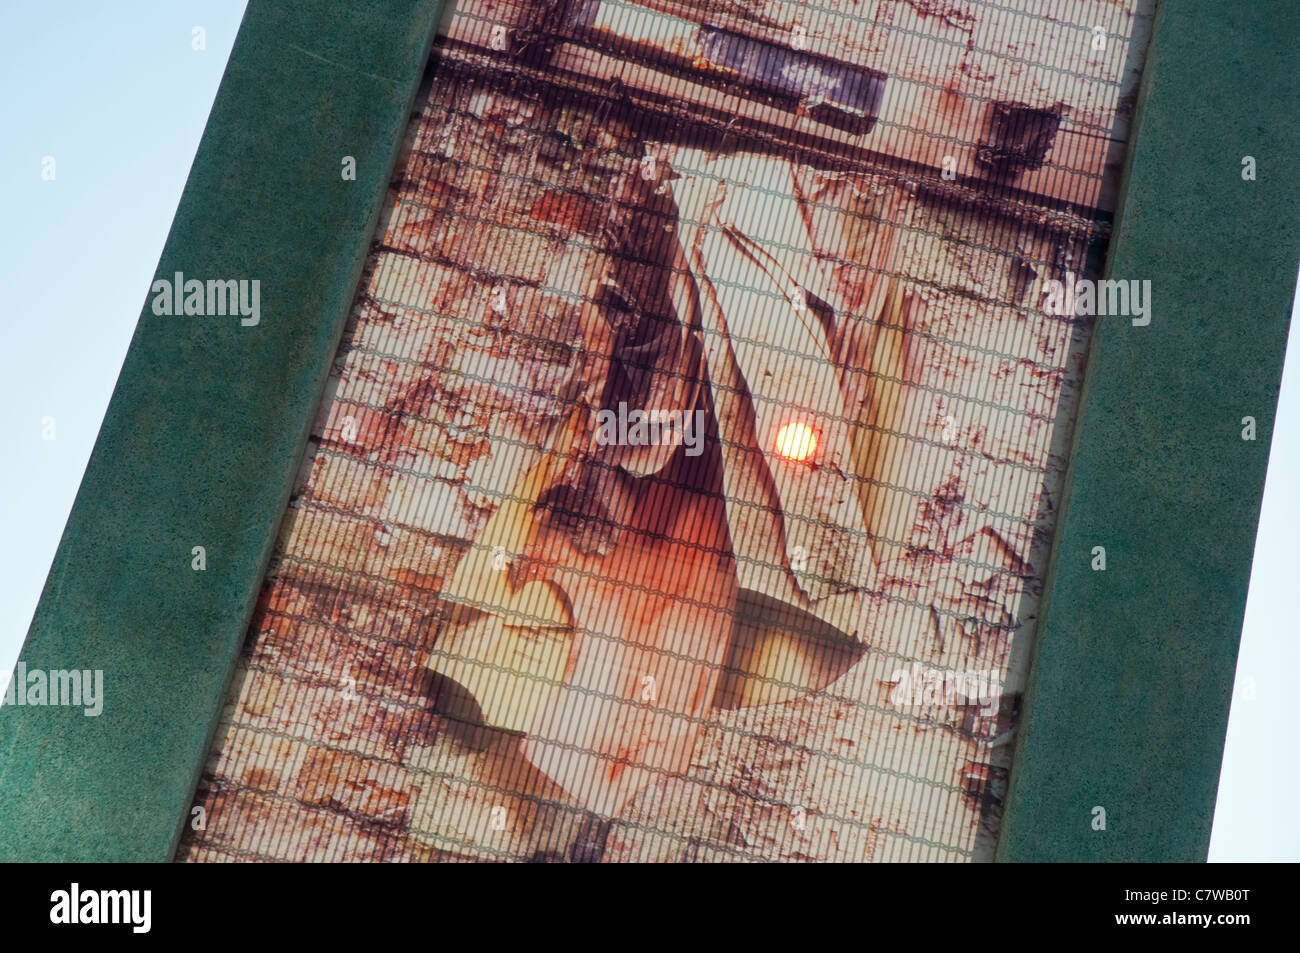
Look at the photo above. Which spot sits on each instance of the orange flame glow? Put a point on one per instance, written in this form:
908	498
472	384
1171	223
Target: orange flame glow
796	441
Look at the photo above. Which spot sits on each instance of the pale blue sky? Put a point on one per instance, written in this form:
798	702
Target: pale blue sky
119	97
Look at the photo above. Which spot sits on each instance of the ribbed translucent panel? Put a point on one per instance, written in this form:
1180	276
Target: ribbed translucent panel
685	482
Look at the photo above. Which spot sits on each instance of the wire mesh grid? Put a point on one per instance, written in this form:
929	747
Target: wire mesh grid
682	491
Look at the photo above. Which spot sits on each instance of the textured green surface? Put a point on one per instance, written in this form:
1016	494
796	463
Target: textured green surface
1129	694
206	429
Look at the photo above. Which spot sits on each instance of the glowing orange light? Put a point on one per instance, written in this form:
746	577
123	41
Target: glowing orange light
796	441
